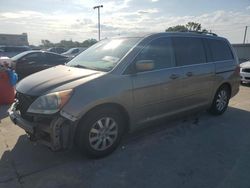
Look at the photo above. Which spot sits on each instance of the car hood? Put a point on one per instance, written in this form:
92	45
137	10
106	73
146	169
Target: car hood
245	64
44	81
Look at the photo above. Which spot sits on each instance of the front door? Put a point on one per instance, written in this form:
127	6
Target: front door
156	91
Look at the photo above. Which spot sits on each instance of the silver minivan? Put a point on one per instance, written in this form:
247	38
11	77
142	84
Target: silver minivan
119	84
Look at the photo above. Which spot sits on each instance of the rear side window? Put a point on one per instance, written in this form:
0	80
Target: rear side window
189	51
220	50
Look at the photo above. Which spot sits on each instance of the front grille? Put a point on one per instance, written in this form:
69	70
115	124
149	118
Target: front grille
24	102
247	78
246	70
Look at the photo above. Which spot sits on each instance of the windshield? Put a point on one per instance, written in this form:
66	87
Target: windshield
104	55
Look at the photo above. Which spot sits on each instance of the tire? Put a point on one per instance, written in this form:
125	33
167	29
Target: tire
100	132
220	101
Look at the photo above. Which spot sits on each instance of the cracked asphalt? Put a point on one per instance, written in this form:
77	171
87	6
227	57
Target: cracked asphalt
195	151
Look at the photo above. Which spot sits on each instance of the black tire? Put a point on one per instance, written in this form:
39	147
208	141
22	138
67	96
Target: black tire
215	108
87	124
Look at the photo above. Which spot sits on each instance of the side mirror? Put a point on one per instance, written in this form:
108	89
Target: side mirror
144	65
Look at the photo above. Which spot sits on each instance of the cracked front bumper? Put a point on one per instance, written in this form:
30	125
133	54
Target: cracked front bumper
57	133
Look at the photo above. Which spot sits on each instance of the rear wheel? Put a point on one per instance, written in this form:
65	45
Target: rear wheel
100	132
220	102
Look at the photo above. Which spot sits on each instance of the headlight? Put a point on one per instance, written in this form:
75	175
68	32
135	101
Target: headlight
50	103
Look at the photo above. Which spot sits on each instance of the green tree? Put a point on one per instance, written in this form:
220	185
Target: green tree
68	43
88	42
190	26
180	28
47	43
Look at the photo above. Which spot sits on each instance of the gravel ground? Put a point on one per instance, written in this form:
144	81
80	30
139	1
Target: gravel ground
196	151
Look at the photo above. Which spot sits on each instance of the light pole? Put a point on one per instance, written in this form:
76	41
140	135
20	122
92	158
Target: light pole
245	34
99	25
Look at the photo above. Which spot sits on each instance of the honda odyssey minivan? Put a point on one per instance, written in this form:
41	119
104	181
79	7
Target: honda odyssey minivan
119	84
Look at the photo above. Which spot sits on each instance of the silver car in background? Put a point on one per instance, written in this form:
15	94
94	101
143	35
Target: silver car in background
119	84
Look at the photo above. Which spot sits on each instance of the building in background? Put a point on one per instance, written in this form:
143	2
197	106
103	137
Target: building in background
14	40
242	51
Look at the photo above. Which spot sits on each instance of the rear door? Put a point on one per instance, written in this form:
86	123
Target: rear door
156	92
198	74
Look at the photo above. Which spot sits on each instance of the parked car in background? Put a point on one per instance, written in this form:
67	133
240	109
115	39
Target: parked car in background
57	50
29	62
119	84
10	51
72	52
245	72
242	60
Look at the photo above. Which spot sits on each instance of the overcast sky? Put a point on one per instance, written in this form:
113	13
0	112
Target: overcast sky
56	20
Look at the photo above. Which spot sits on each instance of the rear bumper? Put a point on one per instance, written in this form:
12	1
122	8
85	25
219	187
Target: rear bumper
56	134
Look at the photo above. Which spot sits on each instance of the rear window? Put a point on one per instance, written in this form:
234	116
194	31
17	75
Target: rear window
220	50
188	51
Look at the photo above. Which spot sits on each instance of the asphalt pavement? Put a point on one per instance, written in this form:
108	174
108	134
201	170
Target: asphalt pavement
199	151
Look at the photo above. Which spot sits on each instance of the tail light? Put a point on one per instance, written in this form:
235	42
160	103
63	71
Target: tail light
237	70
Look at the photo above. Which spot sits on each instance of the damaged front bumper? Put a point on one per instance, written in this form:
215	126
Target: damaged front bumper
56	132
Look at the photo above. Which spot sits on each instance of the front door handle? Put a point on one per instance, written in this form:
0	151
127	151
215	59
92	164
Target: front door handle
174	76
189	74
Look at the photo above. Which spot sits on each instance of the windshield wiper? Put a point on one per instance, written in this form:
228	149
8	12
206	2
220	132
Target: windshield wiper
80	66
91	68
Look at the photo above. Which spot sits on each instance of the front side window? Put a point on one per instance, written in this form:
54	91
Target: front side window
159	51
189	51
104	55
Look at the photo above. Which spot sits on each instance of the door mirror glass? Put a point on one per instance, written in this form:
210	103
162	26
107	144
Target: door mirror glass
144	65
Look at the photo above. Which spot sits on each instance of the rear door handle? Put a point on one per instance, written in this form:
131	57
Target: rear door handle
174	76
189	74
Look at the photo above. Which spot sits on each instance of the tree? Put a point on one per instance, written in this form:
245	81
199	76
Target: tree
47	43
190	26
180	28
68	43
88	42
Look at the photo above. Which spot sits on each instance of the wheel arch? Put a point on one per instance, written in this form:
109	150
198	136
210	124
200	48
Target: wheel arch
228	85
122	110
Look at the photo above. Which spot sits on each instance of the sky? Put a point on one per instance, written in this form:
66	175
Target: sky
76	20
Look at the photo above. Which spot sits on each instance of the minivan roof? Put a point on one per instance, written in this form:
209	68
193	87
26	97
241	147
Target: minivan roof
191	33
194	34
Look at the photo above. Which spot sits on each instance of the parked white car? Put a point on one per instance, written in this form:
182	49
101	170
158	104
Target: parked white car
245	72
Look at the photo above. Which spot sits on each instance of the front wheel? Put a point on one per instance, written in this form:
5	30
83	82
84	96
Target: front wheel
220	101
100	132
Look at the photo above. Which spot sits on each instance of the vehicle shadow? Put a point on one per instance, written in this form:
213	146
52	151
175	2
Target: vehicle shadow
3	111
142	158
245	84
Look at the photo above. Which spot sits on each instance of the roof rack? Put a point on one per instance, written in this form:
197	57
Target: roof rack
201	32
